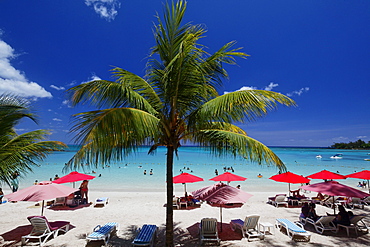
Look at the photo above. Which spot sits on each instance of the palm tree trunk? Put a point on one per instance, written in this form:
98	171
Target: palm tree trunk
169	213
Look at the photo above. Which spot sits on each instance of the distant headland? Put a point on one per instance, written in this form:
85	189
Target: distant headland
359	144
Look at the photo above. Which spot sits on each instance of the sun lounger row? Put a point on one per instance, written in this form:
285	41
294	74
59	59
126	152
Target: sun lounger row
326	223
43	230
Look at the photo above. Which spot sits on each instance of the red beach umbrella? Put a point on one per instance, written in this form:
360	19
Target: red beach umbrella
333	188
222	195
291	178
45	190
73	177
365	174
324	174
228	177
184	178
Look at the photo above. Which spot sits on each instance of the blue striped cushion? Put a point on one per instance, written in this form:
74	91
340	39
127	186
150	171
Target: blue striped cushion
238	222
293	227
146	234
102	231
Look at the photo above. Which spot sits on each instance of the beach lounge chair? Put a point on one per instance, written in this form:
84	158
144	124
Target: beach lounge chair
249	226
270	200
60	201
101	201
146	236
324	223
42	229
356	223
103	232
355	202
175	202
280	200
208	231
366	200
329	202
294	230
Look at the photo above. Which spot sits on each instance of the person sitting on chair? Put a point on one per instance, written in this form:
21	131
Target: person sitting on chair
305	210
342	217
296	194
312	213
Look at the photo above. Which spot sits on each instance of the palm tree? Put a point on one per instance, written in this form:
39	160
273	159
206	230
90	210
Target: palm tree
177	102
18	153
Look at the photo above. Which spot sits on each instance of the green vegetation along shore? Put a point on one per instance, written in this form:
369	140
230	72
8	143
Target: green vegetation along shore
359	144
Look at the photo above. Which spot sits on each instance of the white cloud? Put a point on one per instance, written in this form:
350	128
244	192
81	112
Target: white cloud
105	8
340	139
57	88
66	103
13	80
242	88
299	92
268	88
57	119
92	78
271	86
361	137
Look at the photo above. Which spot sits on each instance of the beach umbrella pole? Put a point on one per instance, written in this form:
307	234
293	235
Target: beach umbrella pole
221	216
42	208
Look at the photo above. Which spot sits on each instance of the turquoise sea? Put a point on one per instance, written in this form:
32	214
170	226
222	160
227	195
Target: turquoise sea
129	175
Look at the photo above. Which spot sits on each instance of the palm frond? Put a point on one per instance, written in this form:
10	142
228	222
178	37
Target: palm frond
103	93
20	153
12	110
111	134
240	106
221	142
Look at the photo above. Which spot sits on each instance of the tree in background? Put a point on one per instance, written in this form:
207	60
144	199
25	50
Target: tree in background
175	103
19	153
359	144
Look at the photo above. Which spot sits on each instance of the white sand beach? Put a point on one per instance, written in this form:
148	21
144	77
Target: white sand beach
133	209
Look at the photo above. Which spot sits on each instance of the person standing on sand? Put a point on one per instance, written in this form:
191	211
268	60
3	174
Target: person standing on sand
84	190
1	195
15	182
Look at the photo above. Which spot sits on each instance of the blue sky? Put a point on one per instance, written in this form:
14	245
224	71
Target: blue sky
317	52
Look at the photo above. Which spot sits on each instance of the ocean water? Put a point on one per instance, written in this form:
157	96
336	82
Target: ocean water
129	175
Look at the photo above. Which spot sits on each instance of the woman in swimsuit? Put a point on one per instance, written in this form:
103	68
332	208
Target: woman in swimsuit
84	189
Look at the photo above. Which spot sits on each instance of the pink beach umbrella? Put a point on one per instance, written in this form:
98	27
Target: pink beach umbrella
333	188
228	177
222	195
45	190
73	177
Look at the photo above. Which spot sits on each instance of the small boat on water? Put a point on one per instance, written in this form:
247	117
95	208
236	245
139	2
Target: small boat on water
336	156
318	156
